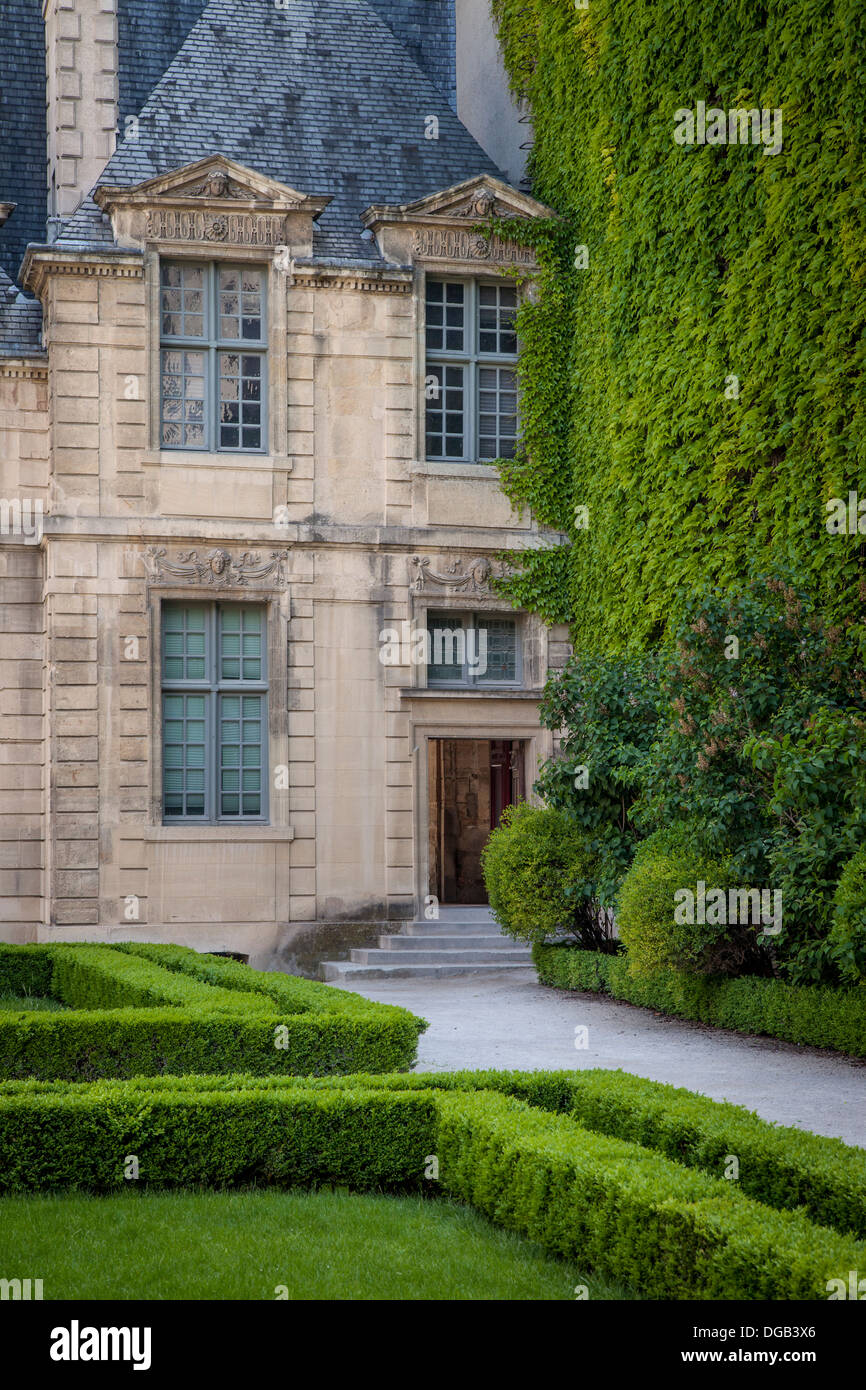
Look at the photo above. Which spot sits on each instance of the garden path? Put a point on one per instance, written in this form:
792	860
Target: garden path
509	1021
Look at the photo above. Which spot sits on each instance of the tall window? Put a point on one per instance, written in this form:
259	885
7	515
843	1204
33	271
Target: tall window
213	335
472	649
471	376
214	708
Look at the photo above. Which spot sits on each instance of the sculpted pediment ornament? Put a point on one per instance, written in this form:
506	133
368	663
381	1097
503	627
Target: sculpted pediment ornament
215	200
460	576
439	227
218	568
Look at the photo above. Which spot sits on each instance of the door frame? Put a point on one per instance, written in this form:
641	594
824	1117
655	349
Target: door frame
537	745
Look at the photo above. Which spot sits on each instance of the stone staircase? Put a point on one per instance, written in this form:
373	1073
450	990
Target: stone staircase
463	941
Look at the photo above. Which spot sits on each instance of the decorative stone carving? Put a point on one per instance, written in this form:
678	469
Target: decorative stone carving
238	228
485	205
433	244
218	185
217	568
473	577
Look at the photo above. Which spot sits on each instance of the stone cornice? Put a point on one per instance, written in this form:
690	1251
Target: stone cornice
24	368
42	261
372	281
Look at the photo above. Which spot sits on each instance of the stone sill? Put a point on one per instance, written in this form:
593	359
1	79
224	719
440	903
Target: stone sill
493	692
193	458
484	472
191	834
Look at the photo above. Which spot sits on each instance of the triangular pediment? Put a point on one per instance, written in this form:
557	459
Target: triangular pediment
215	180
474	200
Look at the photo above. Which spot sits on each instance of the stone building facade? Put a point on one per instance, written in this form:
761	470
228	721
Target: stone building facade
251	384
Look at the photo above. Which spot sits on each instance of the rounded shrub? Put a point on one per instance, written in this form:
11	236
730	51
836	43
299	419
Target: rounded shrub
848	933
660	905
540	877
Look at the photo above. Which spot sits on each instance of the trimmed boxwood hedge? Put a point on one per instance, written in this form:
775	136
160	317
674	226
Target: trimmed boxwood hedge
131	1016
805	1014
780	1166
667	1230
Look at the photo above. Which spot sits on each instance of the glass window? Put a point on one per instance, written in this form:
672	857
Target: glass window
214	707
471	400
213	357
472	649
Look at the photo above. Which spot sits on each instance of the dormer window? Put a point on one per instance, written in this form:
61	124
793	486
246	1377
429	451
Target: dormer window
471	374
213	357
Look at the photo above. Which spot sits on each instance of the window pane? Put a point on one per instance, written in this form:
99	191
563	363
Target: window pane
447	640
183	390
497	310
184	751
241	304
240	394
446	316
241	643
445	421
501	654
184	643
497	412
240	754
182	299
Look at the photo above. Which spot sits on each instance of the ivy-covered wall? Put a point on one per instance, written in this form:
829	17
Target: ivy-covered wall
694	378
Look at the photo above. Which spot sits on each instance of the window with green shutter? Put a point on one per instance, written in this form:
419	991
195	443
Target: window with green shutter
214	708
472	649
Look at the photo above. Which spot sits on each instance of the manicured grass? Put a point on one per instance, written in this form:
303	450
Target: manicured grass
33	1003
244	1245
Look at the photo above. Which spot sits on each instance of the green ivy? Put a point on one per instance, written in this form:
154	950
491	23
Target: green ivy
705	263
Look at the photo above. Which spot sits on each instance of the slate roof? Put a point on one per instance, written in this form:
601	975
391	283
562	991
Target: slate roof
20	321
23	161
319	95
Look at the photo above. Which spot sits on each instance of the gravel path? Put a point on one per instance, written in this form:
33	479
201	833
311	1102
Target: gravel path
507	1020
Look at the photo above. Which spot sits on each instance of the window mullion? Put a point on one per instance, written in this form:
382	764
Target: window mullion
213	711
471	449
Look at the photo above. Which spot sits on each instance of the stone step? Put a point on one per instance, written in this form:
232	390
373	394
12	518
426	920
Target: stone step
335	970
374	956
428	941
472	929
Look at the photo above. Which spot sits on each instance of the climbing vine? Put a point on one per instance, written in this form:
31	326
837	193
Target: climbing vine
692	388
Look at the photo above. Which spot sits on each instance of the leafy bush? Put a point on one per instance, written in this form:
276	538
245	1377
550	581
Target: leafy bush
540	877
807	1014
129	1016
652	917
848	935
751	725
605	710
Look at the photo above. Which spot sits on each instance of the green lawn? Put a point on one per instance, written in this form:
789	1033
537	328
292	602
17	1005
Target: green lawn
36	1003
243	1245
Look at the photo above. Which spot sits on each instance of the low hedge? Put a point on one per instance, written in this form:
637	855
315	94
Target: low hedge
293	993
667	1231
625	1211
130	1016
782	1167
82	1138
26	970
807	1014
